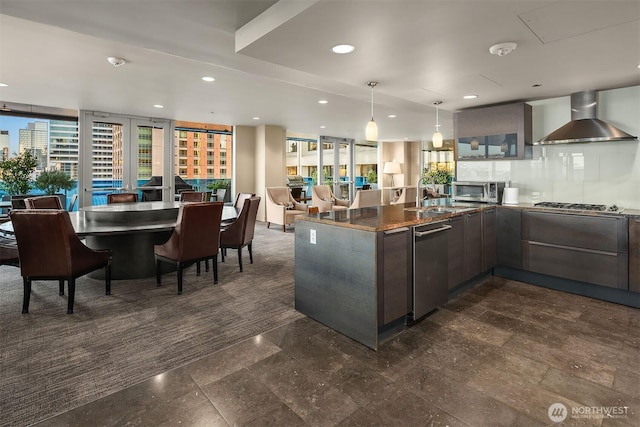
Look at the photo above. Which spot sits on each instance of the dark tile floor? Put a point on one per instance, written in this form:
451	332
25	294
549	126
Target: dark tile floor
497	355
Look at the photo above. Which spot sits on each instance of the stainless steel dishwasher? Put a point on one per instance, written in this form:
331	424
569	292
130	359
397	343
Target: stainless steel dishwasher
430	258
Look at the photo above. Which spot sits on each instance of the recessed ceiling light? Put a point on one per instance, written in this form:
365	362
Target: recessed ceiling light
323	127
158	106
392	116
638	65
3	85
323	101
470	96
208	79
343	48
256	118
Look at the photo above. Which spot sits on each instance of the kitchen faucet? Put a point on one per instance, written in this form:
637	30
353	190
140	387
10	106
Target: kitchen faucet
419	197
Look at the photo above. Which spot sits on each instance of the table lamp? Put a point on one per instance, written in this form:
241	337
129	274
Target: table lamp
391	168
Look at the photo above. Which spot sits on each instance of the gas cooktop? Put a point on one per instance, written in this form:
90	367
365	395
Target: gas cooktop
577	206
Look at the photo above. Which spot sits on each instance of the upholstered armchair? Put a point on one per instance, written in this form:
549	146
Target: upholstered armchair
323	198
367	198
240	233
122	198
282	208
49	249
407	195
193	196
195	238
43	202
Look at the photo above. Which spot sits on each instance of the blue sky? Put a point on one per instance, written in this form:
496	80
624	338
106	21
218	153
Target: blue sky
13	125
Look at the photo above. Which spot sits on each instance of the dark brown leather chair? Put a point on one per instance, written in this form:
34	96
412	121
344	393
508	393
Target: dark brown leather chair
240	233
49	249
195	238
193	196
238	204
43	202
122	198
240	198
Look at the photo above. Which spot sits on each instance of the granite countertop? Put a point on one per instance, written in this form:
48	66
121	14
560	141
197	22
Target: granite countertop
388	217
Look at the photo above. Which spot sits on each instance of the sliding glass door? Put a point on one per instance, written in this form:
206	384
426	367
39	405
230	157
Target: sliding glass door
120	153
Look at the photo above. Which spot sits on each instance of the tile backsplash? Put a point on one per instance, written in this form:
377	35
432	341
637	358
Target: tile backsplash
602	173
598	172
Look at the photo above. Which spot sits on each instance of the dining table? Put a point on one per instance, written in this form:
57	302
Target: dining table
129	230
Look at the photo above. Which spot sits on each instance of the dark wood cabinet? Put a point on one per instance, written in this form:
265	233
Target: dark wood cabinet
472	262
396	274
495	132
489	242
591	249
456	251
472	245
509	237
634	254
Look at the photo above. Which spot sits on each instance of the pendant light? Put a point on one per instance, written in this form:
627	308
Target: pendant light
437	136
371	131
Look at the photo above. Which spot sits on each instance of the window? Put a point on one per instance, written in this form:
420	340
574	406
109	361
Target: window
52	139
199	145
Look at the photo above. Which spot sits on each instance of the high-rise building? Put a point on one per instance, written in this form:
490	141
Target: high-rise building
35	139
106	151
4	144
63	146
202	151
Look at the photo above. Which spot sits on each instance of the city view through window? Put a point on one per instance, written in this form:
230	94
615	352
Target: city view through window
202	152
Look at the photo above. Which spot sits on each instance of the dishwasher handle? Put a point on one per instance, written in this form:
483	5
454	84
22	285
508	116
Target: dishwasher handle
437	230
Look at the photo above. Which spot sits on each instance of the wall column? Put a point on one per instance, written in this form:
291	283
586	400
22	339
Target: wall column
259	161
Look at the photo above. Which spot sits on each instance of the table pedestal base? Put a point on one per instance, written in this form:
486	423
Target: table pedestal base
132	254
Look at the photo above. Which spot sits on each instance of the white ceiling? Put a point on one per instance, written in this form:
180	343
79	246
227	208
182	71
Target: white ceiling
53	53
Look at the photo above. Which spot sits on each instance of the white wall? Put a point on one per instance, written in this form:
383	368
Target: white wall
598	172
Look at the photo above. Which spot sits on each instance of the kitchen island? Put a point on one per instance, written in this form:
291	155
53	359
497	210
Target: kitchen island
354	268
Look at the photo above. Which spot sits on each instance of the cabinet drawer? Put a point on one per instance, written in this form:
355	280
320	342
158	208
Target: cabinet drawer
608	234
597	267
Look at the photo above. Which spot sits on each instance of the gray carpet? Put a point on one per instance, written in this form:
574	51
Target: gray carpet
51	362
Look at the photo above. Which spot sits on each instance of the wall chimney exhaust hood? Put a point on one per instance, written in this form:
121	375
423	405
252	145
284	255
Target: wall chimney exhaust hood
584	125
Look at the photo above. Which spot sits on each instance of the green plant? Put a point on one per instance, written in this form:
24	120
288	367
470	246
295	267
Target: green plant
54	180
219	184
372	177
439	176
15	173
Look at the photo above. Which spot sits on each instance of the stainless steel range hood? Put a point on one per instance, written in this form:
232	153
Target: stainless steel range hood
584	125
